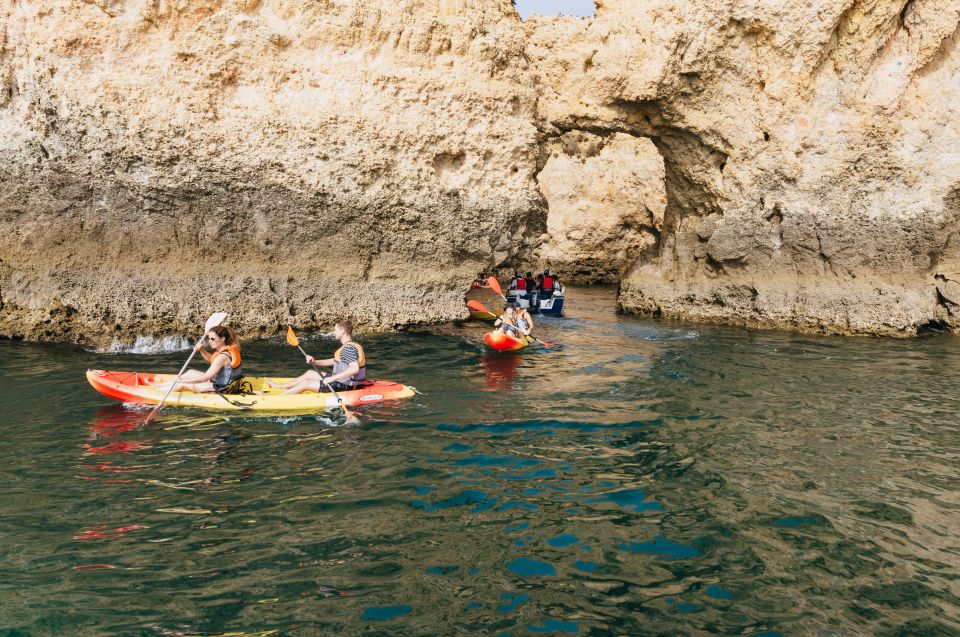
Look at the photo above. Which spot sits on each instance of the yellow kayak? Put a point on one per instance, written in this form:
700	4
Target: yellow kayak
138	387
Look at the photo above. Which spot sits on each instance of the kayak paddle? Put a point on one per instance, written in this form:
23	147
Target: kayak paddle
293	340
212	322
480	307
477	306
495	286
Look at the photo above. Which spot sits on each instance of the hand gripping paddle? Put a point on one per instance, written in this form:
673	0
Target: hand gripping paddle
212	322
293	340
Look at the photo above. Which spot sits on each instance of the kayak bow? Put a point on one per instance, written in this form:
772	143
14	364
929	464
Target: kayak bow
503	342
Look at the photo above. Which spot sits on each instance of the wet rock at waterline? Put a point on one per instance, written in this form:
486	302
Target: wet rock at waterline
283	161
810	153
294	162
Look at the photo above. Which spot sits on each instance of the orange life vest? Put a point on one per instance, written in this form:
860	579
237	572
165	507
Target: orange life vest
233	351
227	373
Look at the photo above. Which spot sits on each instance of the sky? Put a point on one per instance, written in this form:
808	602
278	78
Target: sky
556	7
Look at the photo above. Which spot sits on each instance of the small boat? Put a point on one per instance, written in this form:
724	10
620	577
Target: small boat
138	387
504	342
552	306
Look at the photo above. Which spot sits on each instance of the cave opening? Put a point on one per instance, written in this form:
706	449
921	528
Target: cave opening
550	8
606	197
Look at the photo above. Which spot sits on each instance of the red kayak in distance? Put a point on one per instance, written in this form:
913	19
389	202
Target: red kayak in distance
503	342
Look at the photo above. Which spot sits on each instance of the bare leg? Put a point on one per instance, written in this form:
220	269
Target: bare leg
190	374
200	388
307	375
304	385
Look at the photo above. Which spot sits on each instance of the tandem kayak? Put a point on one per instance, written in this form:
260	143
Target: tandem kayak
136	387
504	342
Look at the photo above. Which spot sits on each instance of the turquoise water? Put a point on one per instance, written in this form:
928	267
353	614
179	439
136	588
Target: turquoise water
642	478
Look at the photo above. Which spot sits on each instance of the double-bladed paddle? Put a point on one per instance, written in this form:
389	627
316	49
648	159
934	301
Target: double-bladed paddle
480	307
212	322
293	340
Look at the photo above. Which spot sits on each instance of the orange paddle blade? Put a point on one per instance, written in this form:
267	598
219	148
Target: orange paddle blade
495	285
291	337
478	306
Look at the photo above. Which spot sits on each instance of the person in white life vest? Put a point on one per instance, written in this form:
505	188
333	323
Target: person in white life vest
349	367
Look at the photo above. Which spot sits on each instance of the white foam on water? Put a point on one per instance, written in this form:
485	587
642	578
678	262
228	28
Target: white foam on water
148	345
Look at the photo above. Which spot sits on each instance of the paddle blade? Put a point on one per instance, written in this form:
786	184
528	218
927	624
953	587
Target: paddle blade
478	306
153	414
292	338
350	418
494	285
214	320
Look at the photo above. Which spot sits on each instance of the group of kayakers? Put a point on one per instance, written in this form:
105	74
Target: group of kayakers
225	373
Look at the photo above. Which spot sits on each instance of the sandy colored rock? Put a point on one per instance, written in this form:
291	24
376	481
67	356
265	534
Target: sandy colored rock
606	198
810	150
291	161
282	161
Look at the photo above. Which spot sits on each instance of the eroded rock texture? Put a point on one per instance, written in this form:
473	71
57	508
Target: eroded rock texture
810	148
281	160
606	198
295	161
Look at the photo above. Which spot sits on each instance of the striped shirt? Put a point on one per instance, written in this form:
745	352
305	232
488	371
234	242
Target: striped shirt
349	354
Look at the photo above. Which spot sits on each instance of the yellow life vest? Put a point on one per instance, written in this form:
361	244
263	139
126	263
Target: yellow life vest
339	366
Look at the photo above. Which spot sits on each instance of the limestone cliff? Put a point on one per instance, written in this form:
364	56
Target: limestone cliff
293	161
810	150
605	200
281	160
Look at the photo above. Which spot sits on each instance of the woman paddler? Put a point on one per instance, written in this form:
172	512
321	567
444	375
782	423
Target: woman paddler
514	321
225	364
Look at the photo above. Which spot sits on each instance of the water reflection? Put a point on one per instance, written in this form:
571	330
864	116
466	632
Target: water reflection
642	478
501	370
114	420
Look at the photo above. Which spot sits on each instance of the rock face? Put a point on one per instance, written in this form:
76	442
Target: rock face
606	198
284	161
293	161
810	148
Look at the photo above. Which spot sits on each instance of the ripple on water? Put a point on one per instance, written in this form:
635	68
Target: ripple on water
764	483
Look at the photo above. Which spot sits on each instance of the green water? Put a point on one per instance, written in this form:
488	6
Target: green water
644	478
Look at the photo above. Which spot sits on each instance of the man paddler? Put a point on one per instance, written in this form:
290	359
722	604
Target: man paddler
349	367
514	321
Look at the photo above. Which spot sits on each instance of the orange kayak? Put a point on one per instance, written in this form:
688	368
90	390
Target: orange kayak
504	342
138	387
